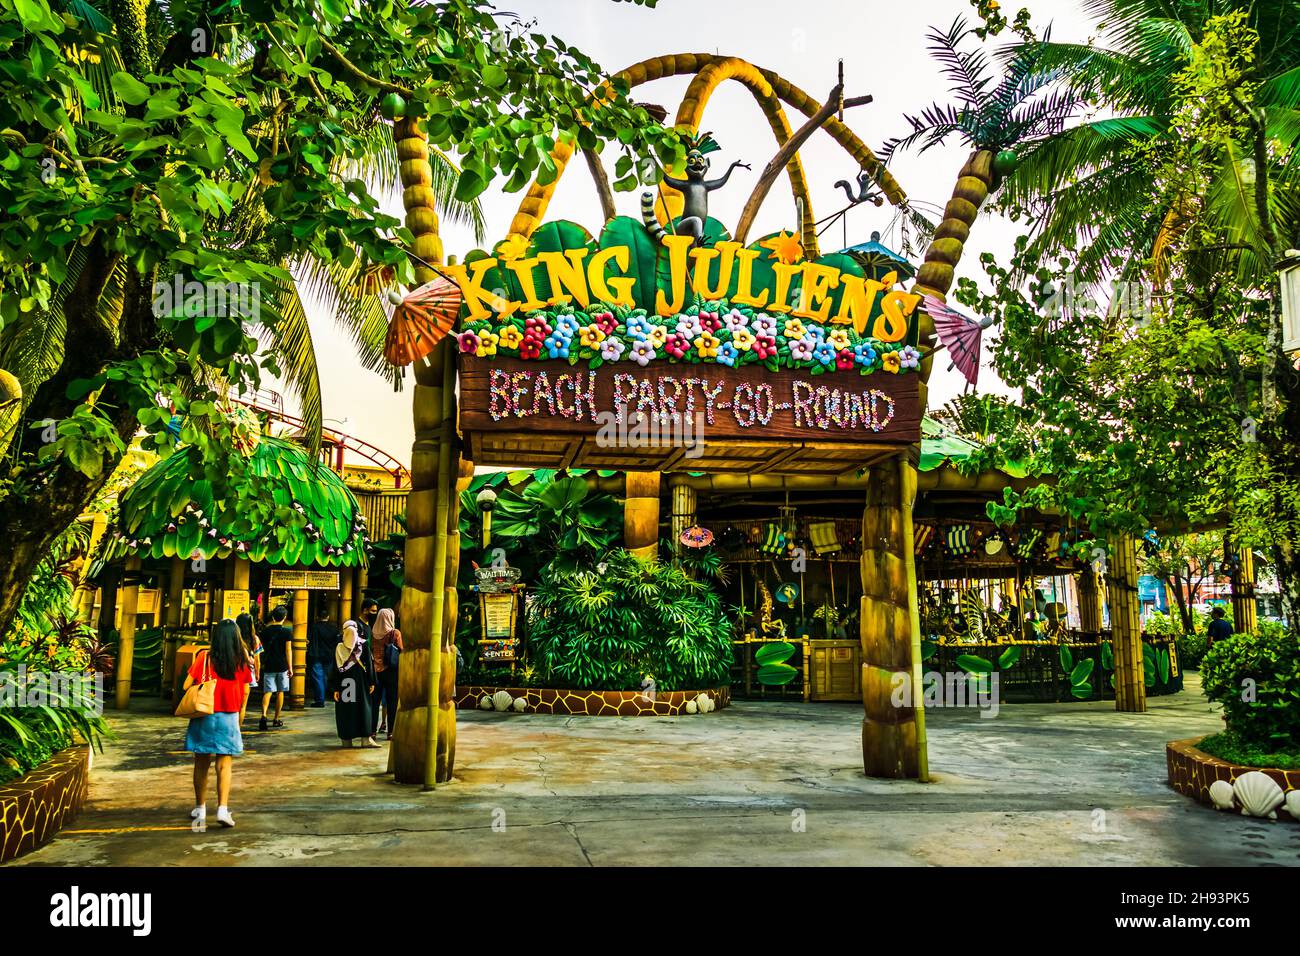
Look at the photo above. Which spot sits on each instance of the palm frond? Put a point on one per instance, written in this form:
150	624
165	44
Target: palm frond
289	334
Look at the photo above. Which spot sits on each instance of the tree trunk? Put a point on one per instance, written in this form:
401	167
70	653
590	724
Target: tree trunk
974	183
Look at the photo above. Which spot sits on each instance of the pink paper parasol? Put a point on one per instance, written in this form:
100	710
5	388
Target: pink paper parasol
697	537
421	320
959	334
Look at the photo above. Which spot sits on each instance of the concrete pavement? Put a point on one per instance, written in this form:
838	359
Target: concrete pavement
754	784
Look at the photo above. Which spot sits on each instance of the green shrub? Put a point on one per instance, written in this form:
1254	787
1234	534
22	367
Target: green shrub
1256	679
1230	747
1191	649
594	629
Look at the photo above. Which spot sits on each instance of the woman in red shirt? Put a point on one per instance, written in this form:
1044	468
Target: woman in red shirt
217	734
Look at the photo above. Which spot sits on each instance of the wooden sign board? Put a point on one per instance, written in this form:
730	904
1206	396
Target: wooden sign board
498	615
291	580
683	412
500	651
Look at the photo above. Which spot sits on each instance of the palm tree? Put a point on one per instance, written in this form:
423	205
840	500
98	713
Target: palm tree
992	115
1101	184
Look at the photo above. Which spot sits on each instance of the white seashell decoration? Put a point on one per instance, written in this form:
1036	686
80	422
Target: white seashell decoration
485	702
1293	804
520	705
502	700
692	707
1258	794
705	703
1221	795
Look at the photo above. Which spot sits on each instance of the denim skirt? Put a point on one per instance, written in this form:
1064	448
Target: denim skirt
215	734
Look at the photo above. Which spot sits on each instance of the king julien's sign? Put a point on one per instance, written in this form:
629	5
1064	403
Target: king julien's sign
569	335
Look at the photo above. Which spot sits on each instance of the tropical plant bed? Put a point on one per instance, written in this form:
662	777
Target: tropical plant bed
38	804
594	703
1192	771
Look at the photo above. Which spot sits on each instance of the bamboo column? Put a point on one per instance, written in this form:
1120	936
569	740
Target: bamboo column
344	603
1126	626
1089	601
175	601
684	504
126	632
893	737
418	755
359	589
1245	616
298	683
641	515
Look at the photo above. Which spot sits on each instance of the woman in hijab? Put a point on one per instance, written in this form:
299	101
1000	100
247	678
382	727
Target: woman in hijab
386	653
352	682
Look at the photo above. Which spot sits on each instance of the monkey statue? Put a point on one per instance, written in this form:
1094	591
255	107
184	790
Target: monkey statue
695	188
865	192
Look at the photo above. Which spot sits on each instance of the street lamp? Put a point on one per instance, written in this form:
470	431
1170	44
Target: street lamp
486	499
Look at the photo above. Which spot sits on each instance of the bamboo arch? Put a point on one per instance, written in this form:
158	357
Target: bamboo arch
769	89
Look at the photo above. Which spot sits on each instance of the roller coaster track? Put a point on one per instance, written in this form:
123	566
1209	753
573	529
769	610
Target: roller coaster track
271	405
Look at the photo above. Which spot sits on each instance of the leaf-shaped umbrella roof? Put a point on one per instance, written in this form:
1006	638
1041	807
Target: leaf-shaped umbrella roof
168	514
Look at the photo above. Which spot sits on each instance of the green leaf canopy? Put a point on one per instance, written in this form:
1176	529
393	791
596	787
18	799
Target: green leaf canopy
167	514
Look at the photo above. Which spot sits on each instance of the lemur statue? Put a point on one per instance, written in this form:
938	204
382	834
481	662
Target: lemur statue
865	192
695	188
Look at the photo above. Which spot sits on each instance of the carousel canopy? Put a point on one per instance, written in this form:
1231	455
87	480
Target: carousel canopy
317	520
940	447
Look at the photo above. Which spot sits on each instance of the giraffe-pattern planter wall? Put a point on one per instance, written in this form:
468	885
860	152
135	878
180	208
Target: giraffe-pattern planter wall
36	806
1192	771
595	703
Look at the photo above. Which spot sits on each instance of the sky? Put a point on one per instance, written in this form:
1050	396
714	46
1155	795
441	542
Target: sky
883	46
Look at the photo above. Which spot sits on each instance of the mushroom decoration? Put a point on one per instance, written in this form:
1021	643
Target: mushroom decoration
421	320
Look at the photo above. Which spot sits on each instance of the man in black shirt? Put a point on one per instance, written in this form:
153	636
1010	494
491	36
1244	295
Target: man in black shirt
277	668
1218	629
322	638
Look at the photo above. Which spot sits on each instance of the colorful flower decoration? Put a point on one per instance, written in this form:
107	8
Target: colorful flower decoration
763	324
706	344
591	336
643	353
676	345
557	346
735	321
509	337
716	333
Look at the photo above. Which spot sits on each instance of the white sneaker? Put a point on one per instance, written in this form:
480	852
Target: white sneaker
199	813
224	817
